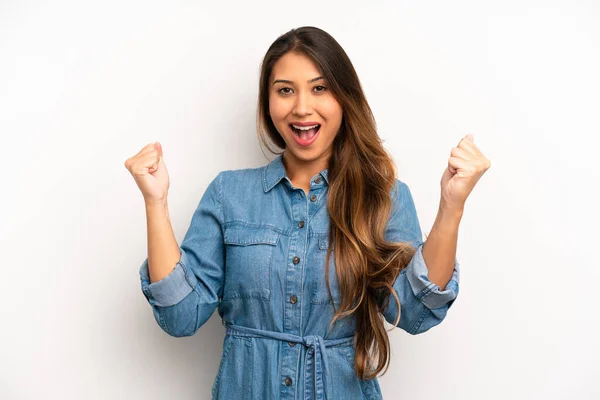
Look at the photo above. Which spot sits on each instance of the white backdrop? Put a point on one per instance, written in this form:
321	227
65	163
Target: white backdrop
84	86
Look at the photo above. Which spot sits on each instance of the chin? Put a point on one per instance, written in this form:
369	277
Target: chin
306	155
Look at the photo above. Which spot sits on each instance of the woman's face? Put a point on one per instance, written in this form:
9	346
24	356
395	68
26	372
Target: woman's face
300	98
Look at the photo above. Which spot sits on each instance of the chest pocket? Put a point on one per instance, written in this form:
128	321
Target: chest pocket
248	258
319	293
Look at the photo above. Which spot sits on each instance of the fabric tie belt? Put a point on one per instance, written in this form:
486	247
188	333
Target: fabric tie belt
314	342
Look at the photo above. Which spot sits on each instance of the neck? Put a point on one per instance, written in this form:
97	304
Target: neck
301	172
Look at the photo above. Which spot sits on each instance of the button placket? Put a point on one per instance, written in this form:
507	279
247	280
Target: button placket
293	290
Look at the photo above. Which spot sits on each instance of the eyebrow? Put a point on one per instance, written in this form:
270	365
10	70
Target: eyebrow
291	82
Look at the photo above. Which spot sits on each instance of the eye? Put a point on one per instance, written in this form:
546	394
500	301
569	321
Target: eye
321	86
281	90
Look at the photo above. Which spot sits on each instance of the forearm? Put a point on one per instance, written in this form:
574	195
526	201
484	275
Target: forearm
163	250
439	250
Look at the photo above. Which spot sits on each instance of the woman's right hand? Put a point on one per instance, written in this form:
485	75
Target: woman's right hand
150	173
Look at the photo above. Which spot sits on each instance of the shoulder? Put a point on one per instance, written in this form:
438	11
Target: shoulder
241	176
402	198
399	189
241	183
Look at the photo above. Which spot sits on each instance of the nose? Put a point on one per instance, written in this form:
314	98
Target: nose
303	105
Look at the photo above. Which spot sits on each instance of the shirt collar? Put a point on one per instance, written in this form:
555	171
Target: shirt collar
274	172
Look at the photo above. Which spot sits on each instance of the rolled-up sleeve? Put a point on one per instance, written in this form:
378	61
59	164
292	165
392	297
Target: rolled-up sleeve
423	303
186	298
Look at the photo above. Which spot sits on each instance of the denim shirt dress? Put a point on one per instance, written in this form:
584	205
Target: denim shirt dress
255	250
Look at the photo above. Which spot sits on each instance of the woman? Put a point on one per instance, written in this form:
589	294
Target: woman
260	238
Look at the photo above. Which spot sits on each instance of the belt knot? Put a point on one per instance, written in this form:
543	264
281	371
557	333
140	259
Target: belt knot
315	343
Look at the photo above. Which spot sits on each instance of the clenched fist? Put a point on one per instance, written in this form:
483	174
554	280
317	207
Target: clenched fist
466	165
150	173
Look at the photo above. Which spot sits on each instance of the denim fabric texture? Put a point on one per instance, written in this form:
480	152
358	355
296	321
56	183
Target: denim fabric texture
255	251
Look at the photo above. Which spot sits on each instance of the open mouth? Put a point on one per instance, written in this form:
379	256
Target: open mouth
305	133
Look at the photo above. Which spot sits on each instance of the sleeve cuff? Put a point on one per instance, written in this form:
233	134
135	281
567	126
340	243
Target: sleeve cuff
428	292
172	288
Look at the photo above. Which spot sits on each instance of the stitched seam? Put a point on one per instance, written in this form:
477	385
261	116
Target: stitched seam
250	295
241	222
226	350
220	198
163	324
185	274
418	323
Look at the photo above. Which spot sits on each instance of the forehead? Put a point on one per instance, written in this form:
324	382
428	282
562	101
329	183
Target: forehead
295	67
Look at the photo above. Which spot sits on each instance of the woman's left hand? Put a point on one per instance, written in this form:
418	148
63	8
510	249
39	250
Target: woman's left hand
465	166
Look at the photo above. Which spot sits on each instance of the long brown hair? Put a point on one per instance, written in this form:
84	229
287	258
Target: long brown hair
361	176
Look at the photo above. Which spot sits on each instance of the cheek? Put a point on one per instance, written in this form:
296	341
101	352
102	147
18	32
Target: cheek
277	109
332	111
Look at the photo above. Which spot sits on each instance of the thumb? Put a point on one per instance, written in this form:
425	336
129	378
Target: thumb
158	147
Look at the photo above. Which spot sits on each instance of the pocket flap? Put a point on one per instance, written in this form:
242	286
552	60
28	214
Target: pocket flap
249	235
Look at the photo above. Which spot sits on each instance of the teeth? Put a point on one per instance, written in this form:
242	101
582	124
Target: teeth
304	128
